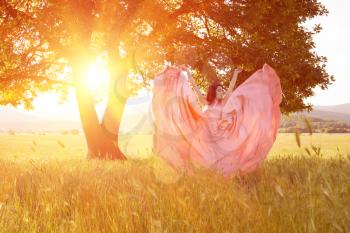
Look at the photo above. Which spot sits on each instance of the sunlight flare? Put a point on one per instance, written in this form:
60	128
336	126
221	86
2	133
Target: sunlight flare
97	78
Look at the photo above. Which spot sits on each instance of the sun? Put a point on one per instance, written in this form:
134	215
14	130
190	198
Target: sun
97	78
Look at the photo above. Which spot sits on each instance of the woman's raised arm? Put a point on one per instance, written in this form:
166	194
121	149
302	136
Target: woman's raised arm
201	98
232	83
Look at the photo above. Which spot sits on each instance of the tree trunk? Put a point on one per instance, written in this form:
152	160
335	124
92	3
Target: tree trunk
102	143
113	115
101	139
117	94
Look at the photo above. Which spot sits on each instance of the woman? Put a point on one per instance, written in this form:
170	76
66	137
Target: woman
216	94
229	133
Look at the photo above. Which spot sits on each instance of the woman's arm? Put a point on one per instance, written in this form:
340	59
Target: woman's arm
201	98
232	83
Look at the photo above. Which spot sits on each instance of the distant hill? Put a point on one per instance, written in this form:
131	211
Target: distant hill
340	108
18	121
330	119
339	112
324	114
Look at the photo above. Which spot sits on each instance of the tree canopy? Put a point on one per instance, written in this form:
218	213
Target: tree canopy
44	42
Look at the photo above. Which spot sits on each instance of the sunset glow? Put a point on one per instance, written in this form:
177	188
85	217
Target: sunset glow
97	78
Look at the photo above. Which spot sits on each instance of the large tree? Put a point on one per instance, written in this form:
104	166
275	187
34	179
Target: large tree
49	44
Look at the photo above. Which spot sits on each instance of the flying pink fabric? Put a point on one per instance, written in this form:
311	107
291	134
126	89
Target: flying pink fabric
233	137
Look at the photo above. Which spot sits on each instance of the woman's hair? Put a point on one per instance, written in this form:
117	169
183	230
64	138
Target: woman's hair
211	95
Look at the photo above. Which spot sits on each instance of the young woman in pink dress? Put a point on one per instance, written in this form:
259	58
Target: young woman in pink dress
229	132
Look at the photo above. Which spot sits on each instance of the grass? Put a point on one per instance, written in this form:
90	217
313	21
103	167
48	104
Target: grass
47	185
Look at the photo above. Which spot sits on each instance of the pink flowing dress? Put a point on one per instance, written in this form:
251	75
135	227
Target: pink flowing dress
233	137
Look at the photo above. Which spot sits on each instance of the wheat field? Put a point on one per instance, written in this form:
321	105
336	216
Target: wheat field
48	185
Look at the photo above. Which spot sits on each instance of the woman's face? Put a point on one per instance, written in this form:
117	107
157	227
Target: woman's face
219	93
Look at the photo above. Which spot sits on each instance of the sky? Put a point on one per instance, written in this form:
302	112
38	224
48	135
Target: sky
331	42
